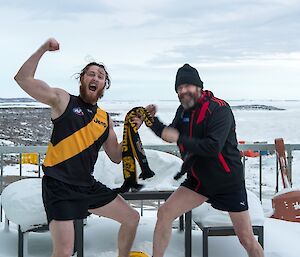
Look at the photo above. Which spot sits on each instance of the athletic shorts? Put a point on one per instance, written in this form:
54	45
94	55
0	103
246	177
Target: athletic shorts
235	201
63	201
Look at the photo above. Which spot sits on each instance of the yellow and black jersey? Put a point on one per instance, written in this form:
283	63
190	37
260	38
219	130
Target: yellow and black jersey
76	139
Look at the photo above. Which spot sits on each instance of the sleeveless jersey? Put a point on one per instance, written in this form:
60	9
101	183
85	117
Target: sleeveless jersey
76	139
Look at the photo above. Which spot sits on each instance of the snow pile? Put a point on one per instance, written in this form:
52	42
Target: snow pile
286	190
22	200
22	203
164	165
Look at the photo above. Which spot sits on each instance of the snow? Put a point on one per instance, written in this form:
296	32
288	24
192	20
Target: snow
22	200
286	190
23	205
281	240
6	142
281	237
164	165
23	105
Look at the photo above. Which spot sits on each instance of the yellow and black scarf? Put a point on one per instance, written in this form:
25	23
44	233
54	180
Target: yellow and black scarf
132	149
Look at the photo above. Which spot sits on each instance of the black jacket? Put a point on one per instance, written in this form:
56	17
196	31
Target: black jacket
208	138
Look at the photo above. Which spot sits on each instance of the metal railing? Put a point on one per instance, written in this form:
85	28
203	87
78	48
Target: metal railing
260	148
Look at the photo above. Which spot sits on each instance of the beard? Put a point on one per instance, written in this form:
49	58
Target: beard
188	100
90	98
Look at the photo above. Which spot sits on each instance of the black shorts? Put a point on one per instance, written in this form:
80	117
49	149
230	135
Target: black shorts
63	201
235	201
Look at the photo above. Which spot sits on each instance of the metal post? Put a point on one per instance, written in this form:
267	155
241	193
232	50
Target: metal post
6	224
290	158
1	189
205	242
20	242
244	164
277	174
20	157
78	242
260	176
181	224
39	165
188	234
142	207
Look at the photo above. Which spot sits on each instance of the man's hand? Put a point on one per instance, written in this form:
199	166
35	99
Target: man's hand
151	108
51	45
137	120
170	135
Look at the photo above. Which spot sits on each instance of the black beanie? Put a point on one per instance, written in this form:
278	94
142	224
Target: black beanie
187	75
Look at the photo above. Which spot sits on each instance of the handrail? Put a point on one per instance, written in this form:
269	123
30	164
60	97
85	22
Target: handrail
22	149
164	147
170	148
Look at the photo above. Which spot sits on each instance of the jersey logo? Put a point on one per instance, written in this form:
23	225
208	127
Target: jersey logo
186	119
78	111
96	120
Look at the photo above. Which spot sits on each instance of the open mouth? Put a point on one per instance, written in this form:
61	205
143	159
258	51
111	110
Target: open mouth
92	88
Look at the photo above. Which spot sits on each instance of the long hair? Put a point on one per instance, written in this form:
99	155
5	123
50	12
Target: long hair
100	65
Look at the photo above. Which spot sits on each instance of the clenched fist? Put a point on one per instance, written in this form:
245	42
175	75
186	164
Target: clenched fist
151	108
51	44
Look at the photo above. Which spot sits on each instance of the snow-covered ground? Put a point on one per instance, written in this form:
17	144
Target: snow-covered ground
281	238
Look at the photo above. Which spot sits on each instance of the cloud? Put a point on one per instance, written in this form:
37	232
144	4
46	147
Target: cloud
56	9
142	41
230	32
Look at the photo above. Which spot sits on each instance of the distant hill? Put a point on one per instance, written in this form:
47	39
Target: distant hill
246	107
253	107
17	100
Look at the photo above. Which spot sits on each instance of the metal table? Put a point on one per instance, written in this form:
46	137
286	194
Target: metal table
142	195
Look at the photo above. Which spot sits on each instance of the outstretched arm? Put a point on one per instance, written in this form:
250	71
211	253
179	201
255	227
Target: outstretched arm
167	133
111	146
38	89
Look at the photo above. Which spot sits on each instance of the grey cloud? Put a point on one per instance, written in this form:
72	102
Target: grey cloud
57	8
231	33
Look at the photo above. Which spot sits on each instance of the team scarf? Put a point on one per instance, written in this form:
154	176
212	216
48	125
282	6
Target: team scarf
132	149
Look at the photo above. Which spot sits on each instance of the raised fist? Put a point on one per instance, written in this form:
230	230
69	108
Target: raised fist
52	44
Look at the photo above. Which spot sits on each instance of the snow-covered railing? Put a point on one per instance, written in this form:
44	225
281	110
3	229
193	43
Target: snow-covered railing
17	151
270	148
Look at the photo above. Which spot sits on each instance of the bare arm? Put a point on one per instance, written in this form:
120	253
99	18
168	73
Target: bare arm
111	146
168	134
38	89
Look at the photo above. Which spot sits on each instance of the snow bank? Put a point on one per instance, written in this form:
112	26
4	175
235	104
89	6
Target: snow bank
22	200
22	203
285	191
164	165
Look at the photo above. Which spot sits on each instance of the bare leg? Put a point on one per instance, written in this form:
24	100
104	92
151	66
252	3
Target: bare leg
181	201
62	233
120	211
243	229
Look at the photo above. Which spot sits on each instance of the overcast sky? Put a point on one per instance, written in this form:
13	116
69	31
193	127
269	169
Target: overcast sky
242	49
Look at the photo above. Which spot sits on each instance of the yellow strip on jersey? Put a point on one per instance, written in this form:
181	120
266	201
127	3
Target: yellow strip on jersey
78	141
